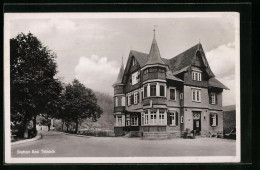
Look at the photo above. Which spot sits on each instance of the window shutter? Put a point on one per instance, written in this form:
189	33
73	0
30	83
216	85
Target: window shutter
176	118
216	119
209	98
138	97
168	118
216	99
210	120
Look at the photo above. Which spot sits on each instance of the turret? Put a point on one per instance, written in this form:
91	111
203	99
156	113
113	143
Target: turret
119	96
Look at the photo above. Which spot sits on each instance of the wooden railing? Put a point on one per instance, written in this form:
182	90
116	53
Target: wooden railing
150	76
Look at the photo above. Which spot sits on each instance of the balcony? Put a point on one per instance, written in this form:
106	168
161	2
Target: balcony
156	75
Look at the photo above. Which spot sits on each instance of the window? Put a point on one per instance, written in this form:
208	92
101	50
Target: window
182	119
196	76
129	100
135	98
153	70
153	117
212	98
132	99
119	101
127	120
196	96
145	91
135	78
213	119
172	119
123	101
181	96
172	94
146	71
133	61
116	101
146	118
152	90
162	90
161	117
119	120
134	121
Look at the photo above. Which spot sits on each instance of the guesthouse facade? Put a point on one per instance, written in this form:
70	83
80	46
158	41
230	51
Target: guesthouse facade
155	94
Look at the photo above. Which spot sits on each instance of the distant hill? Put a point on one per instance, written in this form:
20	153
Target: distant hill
229	108
105	101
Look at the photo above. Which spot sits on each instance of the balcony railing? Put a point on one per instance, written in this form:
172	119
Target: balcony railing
150	76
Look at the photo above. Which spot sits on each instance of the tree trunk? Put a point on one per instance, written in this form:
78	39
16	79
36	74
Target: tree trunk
77	124
67	127
34	125
25	133
62	125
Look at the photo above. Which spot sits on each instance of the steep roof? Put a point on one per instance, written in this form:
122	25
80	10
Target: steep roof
177	64
154	55
184	59
213	82
140	57
120	75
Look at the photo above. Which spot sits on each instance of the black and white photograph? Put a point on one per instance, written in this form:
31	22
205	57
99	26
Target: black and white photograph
122	87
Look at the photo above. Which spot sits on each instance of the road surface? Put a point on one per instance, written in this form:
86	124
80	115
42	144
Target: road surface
56	144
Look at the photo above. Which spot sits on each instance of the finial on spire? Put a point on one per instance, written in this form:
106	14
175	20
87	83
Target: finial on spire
154	30
122	60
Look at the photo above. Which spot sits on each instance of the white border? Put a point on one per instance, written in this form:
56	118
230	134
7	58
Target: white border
198	159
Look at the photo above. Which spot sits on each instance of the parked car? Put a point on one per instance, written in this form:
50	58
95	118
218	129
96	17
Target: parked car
231	134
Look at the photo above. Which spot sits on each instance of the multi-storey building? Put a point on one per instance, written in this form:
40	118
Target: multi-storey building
154	94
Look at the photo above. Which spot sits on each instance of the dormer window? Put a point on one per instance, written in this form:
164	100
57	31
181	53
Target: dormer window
135	78
134	61
196	75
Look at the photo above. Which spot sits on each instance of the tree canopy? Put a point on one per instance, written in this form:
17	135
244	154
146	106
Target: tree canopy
80	103
34	90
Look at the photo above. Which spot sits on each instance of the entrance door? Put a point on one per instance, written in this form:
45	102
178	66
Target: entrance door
197	122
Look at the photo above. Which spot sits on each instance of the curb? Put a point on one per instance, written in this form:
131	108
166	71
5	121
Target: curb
39	136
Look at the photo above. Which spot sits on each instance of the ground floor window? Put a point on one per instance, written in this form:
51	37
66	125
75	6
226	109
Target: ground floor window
146	118
134	121
213	119
161	117
153	117
119	120
127	120
173	119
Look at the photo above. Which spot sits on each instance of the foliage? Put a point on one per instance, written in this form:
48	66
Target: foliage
34	90
79	103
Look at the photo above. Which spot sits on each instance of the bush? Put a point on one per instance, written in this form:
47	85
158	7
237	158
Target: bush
98	133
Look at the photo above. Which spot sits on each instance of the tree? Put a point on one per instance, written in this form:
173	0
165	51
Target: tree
34	90
80	103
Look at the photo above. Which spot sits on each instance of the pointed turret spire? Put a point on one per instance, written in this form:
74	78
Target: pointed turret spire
120	74
154	55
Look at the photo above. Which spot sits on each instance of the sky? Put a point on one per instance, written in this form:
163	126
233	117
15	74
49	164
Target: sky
90	47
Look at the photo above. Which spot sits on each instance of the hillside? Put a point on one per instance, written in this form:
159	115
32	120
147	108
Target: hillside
105	101
229	108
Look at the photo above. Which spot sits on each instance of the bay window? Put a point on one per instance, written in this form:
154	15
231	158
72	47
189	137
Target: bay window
153	117
153	90
161	117
162	90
